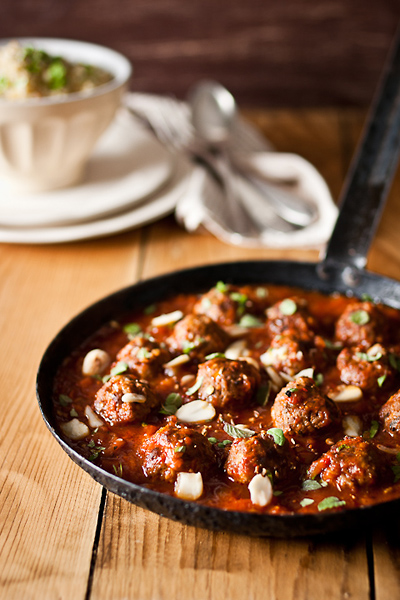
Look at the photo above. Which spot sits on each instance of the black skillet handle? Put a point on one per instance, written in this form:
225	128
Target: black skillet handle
370	176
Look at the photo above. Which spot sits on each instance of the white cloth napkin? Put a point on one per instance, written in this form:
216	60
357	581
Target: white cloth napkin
205	203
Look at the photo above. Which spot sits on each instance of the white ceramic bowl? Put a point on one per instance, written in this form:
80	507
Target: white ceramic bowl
46	142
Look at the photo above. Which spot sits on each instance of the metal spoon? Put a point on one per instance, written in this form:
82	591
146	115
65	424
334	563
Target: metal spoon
214	113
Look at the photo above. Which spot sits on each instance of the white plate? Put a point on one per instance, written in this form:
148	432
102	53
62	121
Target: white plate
128	165
160	205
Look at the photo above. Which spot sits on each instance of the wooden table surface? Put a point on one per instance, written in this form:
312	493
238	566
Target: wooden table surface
64	537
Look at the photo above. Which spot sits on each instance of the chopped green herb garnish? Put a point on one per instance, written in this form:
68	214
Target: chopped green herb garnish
96	450
263	394
238	297
394	361
319	379
381	380
306	502
369	357
149	310
195	387
118	470
56	75
73	413
212	440
215	355
277	434
180	449
359	317
250	321
143	353
333	345
187	346
288	307
309	485
120	367
221	287
330	502
367	298
238	432
64	399
277	493
224	443
132	328
172	403
373	429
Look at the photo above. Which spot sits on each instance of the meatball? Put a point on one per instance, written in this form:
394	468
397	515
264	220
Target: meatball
218	305
351	463
173	449
228	383
289	354
301	409
144	357
291	316
361	323
390	414
258	454
369	369
124	399
198	335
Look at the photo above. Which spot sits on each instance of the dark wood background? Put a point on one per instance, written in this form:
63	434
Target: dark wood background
267	52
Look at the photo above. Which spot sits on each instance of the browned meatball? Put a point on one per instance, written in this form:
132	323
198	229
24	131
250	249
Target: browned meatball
390	414
228	383
351	463
258	454
361	323
144	357
289	354
369	370
198	335
219	305
291	314
173	449
301	409
124	399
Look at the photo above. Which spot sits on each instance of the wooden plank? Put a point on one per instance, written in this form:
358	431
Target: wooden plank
48	506
153	558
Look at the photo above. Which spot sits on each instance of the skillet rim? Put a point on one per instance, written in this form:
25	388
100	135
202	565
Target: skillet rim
147	291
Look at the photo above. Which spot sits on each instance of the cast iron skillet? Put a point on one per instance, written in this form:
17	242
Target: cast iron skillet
342	270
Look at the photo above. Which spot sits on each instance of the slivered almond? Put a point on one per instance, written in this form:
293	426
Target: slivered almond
187	380
236	330
167	318
250	360
387	449
275	377
273	354
346	393
189	486
95	362
305	373
177	361
197	411
260	489
75	429
131	398
352	425
235	349
93	419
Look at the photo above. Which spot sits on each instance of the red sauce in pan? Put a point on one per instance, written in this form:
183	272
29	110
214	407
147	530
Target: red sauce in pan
312	381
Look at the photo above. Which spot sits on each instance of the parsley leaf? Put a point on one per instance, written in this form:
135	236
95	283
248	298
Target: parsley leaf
277	434
172	403
330	502
236	431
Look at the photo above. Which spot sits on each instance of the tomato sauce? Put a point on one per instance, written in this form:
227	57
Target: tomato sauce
274	374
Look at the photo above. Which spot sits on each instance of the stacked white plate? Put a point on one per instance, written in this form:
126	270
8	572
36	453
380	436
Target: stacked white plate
130	180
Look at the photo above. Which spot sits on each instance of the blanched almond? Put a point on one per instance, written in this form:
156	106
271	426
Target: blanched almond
250	360
352	425
236	330
167	318
93	419
346	393
95	362
260	489
176	362
276	379
189	486
235	349
197	411
75	429
130	398
305	373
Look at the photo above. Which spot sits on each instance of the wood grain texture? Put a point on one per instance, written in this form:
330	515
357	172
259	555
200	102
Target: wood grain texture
297	52
48	507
